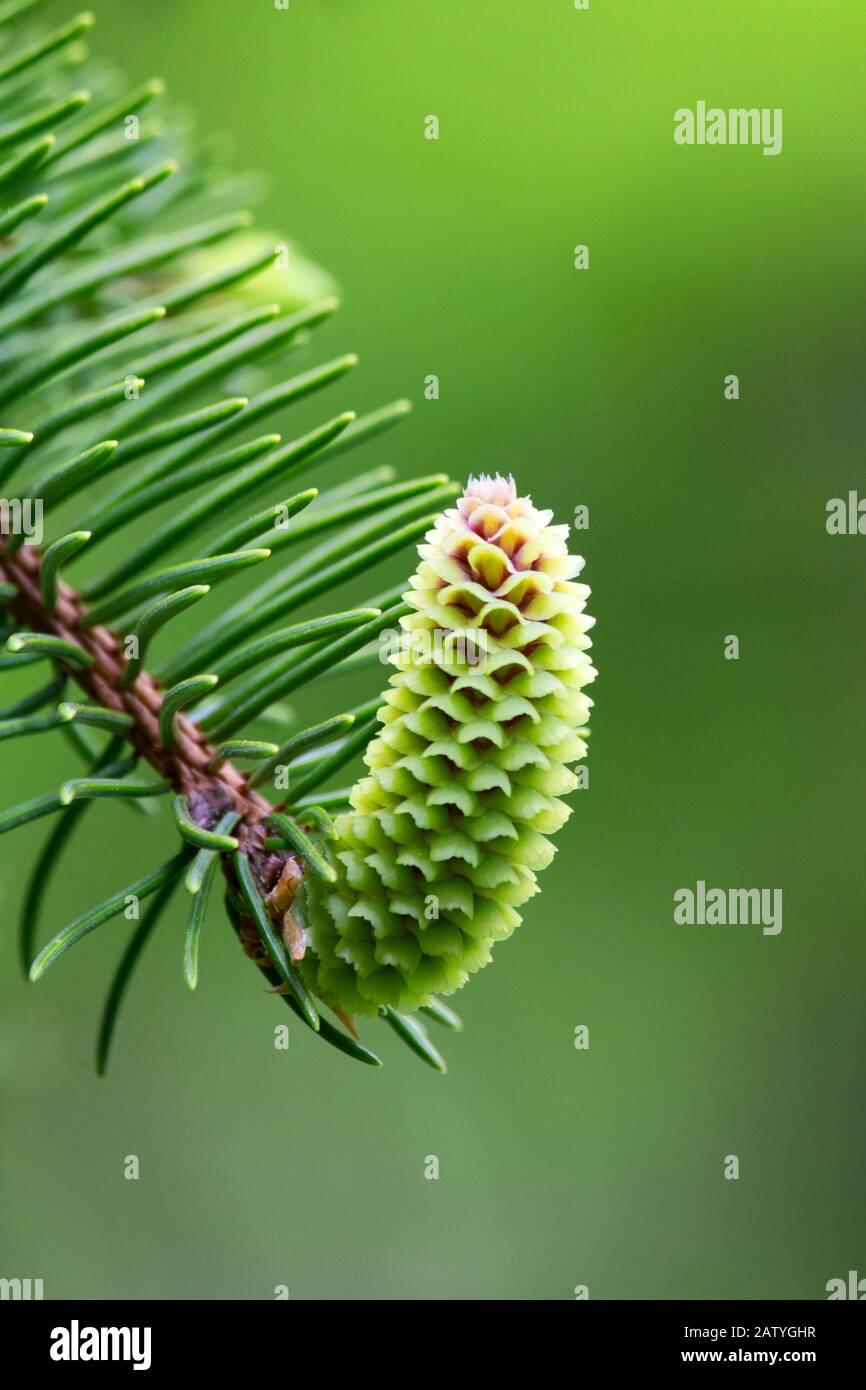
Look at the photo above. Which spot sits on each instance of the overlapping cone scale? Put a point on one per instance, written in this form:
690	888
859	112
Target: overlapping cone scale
485	710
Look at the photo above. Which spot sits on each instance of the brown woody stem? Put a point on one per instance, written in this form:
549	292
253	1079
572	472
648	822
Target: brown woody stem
210	791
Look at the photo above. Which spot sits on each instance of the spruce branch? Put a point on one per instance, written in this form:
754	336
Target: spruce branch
129	302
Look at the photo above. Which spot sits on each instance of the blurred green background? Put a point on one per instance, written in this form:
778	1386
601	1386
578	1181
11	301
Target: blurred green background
604	388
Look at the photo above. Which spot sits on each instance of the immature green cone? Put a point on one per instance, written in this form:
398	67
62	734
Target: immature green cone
449	829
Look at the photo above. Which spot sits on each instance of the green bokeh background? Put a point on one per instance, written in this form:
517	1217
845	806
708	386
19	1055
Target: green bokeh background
603	388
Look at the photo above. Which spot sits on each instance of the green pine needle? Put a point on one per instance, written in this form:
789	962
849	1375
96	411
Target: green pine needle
207	858
53	557
195	835
126	968
178	698
276	949
42	644
127	898
410	1031
171	580
155	617
77	788
294	837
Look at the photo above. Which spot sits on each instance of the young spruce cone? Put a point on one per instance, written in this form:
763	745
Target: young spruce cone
448	831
